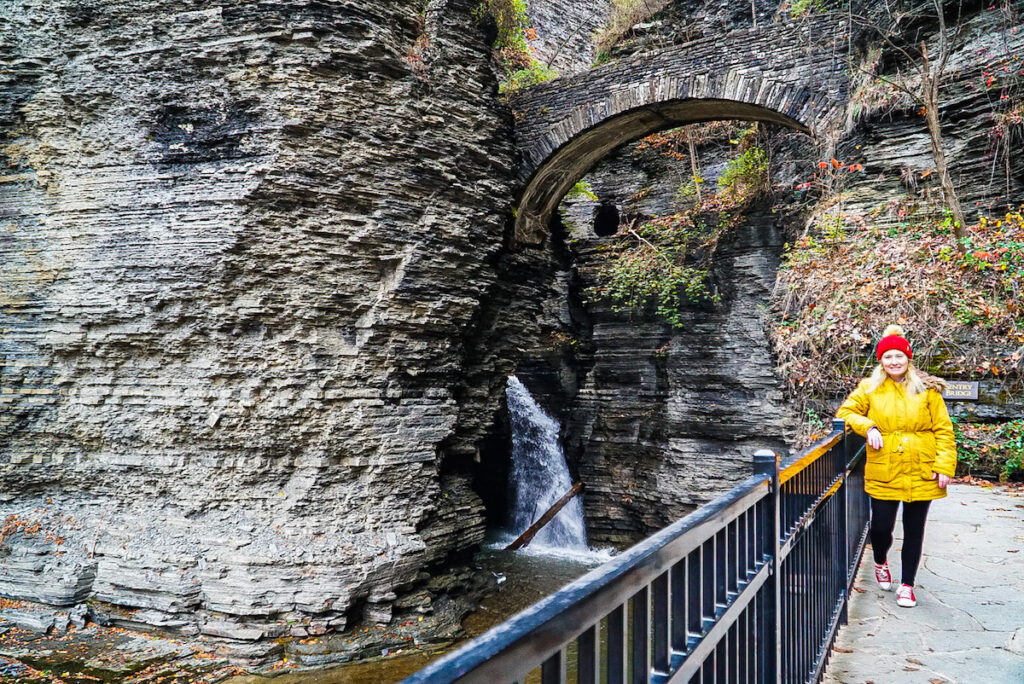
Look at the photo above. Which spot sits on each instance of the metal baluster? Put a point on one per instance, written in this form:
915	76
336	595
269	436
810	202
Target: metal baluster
767	462
722	661
694	603
742	559
661	601
640	646
807	596
753	627
588	656
553	669
721	569
844	513
732	657
743	671
677	613
786	601
707	571
732	560
617	646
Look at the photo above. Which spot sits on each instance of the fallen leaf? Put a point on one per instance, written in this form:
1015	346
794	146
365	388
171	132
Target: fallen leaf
858	589
936	681
915	661
842	650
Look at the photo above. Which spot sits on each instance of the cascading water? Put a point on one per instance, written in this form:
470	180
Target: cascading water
539	475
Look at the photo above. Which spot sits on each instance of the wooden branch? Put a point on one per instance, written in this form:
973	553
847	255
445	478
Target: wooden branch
527	536
894	84
651	245
864	21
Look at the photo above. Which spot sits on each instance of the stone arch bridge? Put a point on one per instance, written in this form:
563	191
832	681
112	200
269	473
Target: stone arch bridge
791	73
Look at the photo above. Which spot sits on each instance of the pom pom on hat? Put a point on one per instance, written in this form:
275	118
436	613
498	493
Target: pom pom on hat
892	338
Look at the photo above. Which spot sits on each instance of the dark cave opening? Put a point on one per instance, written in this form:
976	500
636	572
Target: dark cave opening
606	221
491	474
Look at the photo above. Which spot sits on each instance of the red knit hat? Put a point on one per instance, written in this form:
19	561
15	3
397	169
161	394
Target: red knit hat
893	339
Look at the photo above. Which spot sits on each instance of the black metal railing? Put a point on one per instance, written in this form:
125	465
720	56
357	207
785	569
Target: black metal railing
751	587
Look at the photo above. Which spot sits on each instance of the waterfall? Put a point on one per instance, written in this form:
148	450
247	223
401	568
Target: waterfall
539	475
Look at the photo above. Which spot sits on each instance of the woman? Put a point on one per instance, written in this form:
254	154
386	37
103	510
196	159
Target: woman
911	454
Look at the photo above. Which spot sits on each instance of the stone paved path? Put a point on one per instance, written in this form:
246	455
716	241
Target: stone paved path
968	625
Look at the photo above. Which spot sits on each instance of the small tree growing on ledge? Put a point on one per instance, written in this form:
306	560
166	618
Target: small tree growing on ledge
930	70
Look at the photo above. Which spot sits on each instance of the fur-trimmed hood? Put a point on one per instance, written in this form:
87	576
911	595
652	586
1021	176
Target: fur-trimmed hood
932	382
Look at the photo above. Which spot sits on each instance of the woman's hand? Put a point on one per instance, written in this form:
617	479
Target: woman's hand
944	480
875	438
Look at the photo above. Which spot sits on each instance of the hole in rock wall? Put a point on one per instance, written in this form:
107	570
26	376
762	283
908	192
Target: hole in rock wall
490	477
606	221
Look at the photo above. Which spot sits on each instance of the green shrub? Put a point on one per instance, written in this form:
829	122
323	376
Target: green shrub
687	193
537	72
581	190
801	8
663	264
512	47
996	449
745	176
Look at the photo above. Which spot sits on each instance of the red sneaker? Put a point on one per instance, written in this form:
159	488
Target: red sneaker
905	596
883	577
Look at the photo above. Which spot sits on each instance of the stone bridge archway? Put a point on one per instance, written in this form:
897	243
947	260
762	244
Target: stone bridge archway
791	73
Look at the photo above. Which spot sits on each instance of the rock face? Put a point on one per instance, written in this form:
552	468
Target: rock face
667	419
256	315
565	35
242	244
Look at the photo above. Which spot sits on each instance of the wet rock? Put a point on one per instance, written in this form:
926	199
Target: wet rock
40	622
230	630
78	615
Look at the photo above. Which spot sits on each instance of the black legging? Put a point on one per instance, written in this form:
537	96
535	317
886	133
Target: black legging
883	519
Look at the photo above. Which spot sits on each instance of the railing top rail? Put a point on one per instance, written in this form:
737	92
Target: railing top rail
539	631
789	470
520	644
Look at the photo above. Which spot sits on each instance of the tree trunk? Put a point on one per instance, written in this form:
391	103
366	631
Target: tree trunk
930	80
693	164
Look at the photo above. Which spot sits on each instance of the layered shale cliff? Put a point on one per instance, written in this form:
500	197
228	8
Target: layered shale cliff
258	300
241	247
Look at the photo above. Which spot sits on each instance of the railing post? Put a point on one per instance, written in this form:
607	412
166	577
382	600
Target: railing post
838	424
767	462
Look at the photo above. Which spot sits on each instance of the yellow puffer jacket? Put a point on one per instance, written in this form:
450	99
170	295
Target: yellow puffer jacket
917	434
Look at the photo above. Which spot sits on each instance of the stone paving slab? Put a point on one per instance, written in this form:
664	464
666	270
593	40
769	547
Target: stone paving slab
968	625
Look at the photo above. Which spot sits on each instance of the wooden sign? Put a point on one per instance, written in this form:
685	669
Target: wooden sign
961	390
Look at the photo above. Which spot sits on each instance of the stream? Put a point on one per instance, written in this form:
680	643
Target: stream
557	555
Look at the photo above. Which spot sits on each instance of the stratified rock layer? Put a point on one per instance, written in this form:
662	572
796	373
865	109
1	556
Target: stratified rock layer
241	245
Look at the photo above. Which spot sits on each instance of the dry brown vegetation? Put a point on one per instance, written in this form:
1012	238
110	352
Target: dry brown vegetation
844	281
623	16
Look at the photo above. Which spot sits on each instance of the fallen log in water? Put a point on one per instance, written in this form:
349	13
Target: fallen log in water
525	538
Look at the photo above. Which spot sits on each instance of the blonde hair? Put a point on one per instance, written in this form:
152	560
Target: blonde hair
914	383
